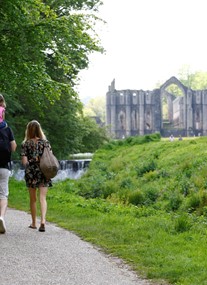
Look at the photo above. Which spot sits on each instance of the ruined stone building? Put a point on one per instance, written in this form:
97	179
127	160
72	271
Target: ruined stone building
138	112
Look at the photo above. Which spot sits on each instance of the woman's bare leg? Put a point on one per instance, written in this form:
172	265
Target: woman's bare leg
43	203
33	209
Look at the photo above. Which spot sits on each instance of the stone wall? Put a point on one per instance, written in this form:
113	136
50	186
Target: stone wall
138	112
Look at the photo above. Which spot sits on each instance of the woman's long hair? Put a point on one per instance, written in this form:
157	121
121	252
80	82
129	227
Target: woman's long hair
34	130
2	101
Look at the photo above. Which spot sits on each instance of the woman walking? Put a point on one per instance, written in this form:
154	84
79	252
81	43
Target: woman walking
31	151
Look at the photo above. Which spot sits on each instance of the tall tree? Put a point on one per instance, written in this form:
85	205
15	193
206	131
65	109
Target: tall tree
32	32
93	135
96	107
44	45
195	80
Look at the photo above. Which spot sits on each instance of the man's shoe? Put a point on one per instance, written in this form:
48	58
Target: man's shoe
2	226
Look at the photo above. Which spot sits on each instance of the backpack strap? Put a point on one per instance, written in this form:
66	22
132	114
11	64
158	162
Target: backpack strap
5	149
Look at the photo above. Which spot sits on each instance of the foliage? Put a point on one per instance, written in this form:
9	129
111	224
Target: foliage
34	33
44	45
96	107
135	140
145	167
173	89
168	248
195	80
147	171
156	221
93	136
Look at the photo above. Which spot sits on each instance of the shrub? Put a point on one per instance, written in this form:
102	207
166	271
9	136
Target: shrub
205	211
186	168
109	188
175	200
150	176
92	187
131	141
126	183
110	175
185	185
100	165
136	197
151	195
163	173
145	167
193	202
183	223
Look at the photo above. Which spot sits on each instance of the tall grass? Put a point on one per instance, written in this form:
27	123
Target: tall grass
174	171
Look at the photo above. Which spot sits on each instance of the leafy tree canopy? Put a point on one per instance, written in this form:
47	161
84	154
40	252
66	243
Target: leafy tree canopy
44	45
36	33
195	80
96	107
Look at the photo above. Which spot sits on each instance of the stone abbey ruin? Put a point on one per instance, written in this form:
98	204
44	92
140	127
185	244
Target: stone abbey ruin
138	112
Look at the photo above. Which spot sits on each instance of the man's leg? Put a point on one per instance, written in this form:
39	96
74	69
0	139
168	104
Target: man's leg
4	193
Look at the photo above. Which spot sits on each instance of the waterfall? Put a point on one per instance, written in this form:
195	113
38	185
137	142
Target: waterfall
72	169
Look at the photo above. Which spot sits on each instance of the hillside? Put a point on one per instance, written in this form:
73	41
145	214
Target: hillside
144	200
149	171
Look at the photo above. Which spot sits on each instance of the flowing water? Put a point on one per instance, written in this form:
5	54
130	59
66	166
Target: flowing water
72	169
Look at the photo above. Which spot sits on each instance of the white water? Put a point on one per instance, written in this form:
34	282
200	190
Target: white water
72	169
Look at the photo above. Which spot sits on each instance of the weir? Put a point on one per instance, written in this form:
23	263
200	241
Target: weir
72	169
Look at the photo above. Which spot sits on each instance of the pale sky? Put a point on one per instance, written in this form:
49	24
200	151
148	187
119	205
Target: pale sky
146	41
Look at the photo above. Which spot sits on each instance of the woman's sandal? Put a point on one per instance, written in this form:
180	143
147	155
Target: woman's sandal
31	227
42	228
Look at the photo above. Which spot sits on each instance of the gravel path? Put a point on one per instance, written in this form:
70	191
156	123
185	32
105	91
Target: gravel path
56	257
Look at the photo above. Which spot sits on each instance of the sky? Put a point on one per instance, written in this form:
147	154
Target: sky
146	42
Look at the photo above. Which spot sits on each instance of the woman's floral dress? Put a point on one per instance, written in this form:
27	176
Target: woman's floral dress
33	175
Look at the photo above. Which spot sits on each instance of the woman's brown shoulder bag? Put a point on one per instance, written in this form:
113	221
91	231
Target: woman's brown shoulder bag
49	164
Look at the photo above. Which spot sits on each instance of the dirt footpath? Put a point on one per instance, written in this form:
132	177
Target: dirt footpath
56	257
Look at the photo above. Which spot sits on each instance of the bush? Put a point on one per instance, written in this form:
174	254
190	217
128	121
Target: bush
182	223
145	167
151	195
134	140
175	200
126	183
193	202
136	198
151	175
91	187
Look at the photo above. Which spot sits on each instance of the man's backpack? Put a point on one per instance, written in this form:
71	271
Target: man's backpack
49	164
5	148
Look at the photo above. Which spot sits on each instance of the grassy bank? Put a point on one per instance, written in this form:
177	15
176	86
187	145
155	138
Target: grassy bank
144	201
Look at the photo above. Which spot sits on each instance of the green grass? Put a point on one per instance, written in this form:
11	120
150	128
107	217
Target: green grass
145	202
